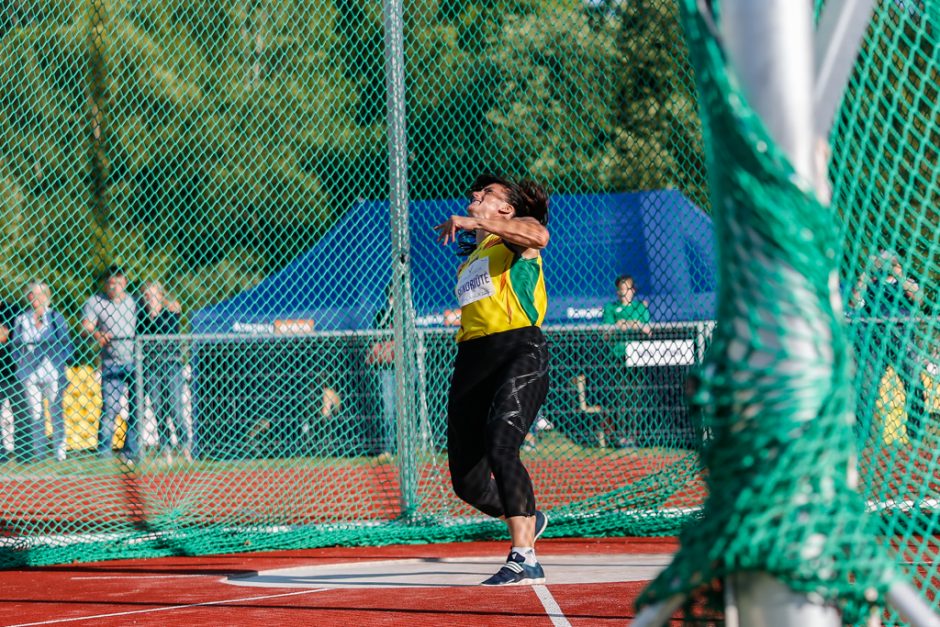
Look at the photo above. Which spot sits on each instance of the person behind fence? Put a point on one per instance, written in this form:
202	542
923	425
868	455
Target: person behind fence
327	429
630	319
381	358
10	390
42	350
163	369
591	424
883	301
500	376
110	317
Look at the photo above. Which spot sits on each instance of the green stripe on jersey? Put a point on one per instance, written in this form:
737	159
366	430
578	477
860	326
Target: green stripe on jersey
524	276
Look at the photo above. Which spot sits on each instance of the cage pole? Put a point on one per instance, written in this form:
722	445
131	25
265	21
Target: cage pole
770	48
403	314
839	37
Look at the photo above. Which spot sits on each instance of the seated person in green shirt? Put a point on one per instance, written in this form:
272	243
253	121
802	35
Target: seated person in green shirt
626	313
630	317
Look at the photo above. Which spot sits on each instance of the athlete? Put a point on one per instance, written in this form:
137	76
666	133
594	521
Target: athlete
501	372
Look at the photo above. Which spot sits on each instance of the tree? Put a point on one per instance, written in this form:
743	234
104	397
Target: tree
585	100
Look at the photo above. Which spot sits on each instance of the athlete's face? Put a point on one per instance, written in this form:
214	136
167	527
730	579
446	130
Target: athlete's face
490	202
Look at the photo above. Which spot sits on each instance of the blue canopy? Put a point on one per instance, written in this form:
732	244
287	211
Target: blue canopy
659	237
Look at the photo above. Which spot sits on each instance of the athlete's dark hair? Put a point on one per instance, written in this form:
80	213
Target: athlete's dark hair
528	198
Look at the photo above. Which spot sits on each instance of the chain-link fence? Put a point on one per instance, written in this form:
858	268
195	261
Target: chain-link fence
222	202
818	393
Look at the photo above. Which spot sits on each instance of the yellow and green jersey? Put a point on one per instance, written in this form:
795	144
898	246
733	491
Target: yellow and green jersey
498	290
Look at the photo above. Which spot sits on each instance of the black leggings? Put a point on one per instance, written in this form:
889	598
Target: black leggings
499	384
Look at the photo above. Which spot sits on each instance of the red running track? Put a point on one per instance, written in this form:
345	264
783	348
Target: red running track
193	591
304	495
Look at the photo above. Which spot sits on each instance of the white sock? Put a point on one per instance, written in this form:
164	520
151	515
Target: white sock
527	552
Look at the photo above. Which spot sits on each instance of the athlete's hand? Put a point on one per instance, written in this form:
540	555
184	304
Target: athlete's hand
447	232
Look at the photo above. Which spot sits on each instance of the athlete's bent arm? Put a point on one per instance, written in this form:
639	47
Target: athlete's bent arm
525	234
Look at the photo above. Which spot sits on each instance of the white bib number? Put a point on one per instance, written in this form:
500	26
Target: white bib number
475	283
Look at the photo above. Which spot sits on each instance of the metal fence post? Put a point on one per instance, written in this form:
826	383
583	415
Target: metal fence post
403	315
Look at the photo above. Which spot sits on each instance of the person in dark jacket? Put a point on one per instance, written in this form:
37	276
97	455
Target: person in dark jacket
884	301
42	350
163	368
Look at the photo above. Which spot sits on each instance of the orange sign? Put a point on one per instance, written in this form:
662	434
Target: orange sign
293	327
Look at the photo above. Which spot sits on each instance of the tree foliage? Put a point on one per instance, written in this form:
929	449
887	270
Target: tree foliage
226	136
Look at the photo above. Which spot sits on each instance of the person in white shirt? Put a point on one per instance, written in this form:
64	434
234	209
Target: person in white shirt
111	319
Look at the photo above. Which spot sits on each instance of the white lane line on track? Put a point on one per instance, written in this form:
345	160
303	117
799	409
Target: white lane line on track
171	608
551	606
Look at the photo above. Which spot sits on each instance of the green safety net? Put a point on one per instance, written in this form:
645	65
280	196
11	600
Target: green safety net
276	169
820	480
272	172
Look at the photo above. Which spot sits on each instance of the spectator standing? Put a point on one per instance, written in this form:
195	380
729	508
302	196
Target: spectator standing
110	317
327	430
163	369
629	318
10	390
381	358
42	350
884	300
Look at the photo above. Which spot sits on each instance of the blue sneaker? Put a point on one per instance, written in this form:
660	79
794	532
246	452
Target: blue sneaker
515	572
541	521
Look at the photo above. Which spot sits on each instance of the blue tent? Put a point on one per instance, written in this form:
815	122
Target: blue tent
659	237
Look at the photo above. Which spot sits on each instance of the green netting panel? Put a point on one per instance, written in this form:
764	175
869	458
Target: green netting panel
258	164
835	508
886	186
